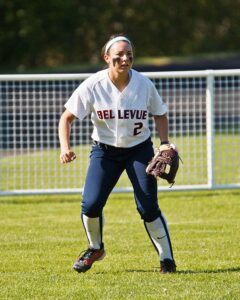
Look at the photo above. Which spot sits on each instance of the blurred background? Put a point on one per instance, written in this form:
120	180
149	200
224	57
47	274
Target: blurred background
67	35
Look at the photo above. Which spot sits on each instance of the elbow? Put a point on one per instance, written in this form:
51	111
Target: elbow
66	118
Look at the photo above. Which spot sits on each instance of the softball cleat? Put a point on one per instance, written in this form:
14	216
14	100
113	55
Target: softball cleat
167	266
84	262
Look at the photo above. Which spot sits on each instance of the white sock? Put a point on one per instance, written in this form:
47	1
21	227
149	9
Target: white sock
93	231
158	232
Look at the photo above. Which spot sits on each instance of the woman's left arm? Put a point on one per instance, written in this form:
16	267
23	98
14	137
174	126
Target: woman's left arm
161	123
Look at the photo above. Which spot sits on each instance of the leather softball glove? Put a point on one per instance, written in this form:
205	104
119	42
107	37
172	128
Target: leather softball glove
165	163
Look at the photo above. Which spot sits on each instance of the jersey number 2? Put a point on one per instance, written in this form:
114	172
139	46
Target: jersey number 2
137	128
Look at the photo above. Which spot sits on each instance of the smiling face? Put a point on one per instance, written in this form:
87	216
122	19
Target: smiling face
119	57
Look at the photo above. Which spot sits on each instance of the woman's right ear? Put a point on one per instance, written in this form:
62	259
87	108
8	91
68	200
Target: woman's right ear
106	58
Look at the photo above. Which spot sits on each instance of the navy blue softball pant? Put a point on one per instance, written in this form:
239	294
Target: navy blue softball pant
107	163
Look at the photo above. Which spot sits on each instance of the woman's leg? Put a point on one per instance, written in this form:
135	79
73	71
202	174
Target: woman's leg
145	190
103	174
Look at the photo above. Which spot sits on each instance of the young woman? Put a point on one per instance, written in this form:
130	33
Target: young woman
119	100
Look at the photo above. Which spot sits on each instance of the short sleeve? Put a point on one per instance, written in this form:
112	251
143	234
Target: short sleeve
79	103
157	106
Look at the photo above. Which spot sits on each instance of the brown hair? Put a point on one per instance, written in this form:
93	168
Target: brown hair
112	37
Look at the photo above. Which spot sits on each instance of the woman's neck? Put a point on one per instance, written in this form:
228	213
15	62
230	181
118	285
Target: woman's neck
119	80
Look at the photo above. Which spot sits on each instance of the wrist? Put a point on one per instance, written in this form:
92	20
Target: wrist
65	149
164	142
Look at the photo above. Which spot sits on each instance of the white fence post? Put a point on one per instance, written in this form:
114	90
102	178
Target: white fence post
210	128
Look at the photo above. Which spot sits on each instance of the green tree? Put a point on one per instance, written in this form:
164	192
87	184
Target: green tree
57	32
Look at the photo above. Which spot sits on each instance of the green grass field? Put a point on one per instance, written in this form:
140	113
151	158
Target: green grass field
42	235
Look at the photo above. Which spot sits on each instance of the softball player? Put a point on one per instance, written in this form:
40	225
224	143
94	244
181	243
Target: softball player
119	100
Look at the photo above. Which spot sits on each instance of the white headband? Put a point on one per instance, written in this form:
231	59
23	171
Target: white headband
116	39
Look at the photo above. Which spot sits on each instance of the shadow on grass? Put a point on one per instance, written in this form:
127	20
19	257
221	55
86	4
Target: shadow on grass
228	270
215	271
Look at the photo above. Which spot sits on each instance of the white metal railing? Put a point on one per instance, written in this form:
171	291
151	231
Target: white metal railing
204	114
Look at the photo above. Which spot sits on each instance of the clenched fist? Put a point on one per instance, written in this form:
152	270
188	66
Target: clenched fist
67	156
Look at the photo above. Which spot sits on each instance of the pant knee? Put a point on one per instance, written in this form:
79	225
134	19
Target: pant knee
150	216
91	210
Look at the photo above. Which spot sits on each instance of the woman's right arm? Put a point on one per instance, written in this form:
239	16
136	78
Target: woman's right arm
64	130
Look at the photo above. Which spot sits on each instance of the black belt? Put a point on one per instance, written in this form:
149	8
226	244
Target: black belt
95	143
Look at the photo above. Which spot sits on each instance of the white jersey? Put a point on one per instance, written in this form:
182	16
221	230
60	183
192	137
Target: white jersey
120	119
